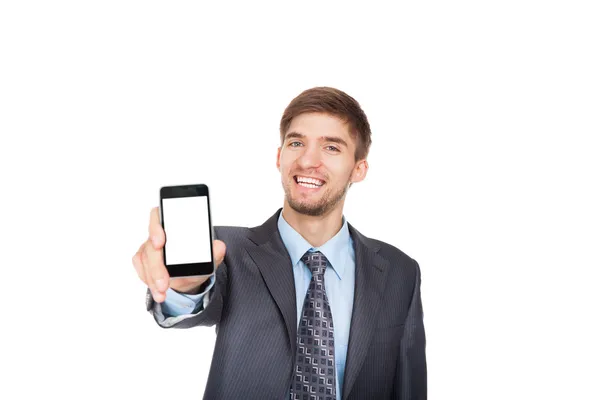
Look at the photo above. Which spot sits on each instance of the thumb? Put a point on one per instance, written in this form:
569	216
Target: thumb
219	249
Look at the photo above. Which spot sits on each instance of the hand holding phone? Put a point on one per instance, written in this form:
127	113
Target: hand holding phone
164	256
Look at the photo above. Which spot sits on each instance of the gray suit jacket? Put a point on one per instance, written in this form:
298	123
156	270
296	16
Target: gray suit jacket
253	305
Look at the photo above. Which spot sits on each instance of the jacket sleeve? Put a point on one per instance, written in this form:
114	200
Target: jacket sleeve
207	314
176	303
411	370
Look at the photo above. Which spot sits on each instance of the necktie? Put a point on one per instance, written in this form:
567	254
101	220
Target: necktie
314	367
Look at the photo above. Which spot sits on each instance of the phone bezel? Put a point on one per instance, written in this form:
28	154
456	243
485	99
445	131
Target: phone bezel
192	269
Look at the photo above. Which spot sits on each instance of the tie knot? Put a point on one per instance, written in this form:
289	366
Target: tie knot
316	262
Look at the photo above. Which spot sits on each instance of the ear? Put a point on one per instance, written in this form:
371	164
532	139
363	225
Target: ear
360	171
278	156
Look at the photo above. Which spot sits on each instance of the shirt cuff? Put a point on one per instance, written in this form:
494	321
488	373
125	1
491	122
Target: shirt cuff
177	304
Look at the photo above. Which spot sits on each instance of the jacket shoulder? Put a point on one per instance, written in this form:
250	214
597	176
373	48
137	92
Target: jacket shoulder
399	262
391	253
230	233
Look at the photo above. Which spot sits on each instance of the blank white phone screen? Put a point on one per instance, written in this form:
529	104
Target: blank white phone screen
187	230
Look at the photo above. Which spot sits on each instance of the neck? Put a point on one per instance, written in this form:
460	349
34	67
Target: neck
317	230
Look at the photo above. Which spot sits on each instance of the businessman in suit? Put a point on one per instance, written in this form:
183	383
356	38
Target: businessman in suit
305	306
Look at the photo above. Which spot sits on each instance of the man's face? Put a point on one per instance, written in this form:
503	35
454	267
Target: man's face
316	162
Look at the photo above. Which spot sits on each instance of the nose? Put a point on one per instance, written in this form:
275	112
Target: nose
310	158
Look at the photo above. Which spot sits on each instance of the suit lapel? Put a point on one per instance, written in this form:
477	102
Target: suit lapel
275	266
371	272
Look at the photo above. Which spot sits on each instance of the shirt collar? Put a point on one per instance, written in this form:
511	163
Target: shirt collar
336	248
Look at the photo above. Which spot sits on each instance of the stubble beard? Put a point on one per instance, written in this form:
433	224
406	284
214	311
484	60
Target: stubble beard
327	202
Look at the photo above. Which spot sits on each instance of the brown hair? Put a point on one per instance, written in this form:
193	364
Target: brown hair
336	103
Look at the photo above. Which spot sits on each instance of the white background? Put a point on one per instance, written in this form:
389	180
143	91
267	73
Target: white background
484	168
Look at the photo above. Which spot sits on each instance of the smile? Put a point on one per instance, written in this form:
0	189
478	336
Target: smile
307	182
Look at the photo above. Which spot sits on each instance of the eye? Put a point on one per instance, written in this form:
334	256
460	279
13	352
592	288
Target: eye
292	144
333	148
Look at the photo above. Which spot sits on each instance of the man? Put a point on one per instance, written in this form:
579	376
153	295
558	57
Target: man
305	306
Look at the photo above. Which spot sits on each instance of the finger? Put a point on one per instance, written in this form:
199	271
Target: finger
156	271
138	265
156	294
155	230
219	249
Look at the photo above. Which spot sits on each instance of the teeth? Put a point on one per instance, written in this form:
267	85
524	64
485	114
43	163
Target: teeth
312	181
308	185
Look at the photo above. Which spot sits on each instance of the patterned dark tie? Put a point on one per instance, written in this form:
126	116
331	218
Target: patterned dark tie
314	367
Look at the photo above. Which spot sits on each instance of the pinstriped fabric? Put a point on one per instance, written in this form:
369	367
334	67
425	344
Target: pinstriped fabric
253	307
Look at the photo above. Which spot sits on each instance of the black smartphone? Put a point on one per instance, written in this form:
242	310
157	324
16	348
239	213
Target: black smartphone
185	218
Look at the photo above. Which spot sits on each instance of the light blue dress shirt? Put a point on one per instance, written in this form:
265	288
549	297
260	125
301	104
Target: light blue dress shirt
339	285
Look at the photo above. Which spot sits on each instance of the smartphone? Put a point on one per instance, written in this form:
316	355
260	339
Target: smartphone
185	218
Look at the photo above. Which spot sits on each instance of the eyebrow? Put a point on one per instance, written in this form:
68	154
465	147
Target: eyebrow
332	139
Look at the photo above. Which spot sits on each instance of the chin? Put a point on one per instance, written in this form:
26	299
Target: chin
313	209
